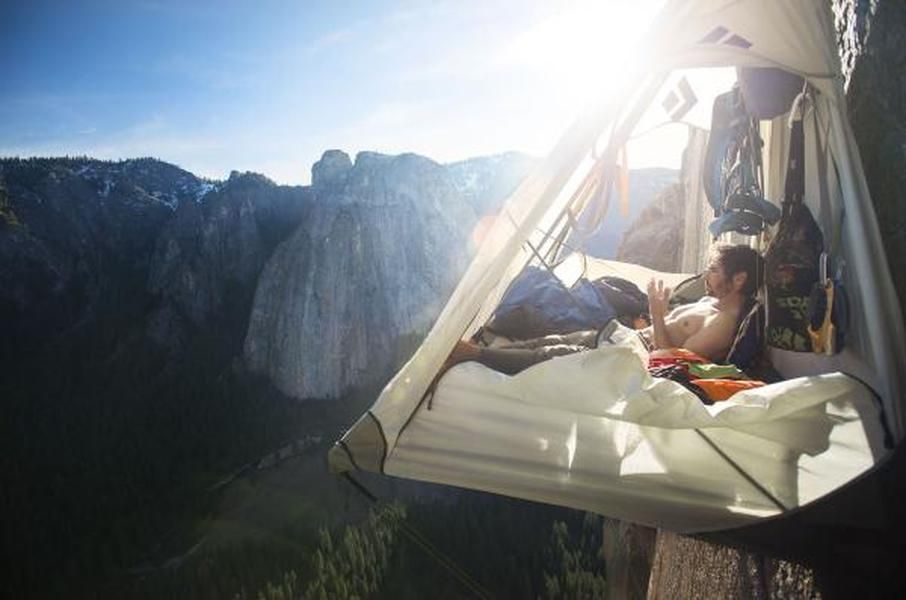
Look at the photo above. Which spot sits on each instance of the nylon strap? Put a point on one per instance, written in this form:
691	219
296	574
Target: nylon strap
416	537
764	491
828	222
794	186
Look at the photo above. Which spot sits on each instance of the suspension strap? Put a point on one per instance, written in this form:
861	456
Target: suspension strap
764	491
416	537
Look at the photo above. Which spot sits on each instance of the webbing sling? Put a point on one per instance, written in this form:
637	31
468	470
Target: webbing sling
414	536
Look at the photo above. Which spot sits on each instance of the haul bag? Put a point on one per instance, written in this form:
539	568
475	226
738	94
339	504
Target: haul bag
791	262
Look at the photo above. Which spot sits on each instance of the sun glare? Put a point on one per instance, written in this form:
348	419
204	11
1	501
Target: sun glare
581	51
584	48
587	50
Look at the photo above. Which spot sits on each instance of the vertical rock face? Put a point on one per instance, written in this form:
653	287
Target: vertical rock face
331	170
872	41
383	247
645	185
88	245
125	294
687	568
655	240
208	247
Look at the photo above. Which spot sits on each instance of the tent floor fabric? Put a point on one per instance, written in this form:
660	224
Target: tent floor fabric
596	432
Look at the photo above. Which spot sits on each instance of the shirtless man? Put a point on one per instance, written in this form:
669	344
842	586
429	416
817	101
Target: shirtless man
706	327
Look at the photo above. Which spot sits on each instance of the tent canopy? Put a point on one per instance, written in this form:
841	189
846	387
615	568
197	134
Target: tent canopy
795	36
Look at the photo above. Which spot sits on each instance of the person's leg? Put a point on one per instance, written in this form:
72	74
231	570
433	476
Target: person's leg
520	355
514	360
506	360
532	343
585	338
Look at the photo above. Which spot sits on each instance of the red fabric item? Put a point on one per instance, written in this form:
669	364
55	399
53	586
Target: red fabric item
674	356
723	389
656	363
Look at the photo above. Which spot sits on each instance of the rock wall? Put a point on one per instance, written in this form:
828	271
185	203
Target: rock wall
148	252
872	40
688	568
210	251
655	240
372	266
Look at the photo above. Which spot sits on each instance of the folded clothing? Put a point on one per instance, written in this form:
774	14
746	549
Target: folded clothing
680	375
723	389
715	371
709	381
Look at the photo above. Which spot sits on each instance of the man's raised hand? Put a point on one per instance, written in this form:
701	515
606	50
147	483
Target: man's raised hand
658	298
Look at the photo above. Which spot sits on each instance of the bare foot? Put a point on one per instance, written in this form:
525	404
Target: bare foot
463	351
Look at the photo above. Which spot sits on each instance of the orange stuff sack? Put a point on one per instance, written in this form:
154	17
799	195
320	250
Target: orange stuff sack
722	389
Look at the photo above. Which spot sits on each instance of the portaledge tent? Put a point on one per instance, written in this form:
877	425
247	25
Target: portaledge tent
626	445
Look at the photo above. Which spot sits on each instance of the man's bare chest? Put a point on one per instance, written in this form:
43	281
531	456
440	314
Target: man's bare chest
690	318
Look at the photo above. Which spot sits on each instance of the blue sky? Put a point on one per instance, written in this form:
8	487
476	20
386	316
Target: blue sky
268	86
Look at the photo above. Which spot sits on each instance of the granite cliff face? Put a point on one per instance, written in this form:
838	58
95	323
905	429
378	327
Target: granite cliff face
384	245
125	294
210	251
871	35
154	254
655	239
646	187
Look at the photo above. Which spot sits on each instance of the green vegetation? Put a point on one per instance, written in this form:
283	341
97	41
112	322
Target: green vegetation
115	460
575	561
506	548
7	214
112	446
132	470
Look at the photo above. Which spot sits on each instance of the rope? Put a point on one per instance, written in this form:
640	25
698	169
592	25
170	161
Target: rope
416	537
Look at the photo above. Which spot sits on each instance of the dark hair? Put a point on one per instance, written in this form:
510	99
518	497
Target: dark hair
740	259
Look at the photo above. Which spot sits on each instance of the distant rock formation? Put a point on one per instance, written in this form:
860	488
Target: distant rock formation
125	294
485	181
644	186
383	248
331	170
77	239
140	246
655	240
210	250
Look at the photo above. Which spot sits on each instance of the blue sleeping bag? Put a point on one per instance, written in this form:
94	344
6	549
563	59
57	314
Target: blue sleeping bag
538	304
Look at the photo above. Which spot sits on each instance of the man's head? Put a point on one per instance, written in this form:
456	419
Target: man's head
733	269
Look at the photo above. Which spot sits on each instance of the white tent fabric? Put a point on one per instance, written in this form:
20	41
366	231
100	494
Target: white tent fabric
796	36
594	431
